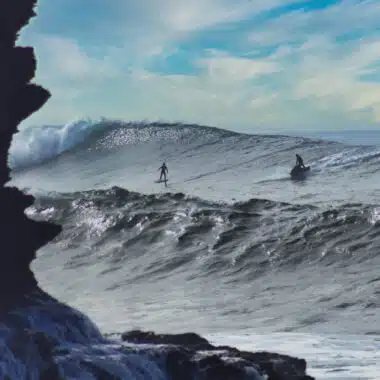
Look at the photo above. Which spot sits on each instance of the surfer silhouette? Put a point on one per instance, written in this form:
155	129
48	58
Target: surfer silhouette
299	161
164	170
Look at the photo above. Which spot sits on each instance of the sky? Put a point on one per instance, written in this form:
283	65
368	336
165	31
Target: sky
246	65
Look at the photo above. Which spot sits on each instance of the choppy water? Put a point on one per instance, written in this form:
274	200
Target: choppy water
231	248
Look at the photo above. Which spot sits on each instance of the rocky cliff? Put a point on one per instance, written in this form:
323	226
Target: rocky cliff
19	98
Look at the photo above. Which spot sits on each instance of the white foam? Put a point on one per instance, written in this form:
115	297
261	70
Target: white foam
34	145
374	216
346	158
350	357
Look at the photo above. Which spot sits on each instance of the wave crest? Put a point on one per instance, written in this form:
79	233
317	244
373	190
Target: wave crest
34	145
241	239
37	144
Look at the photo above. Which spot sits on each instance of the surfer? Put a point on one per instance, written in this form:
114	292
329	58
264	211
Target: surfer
299	162
164	170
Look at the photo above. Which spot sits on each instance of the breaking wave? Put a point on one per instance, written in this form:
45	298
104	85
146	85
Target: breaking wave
36	144
239	240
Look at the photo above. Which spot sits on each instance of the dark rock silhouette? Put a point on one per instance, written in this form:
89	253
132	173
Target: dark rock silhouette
19	98
187	339
37	331
212	366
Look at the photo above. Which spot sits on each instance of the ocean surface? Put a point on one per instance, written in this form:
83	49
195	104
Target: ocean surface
230	247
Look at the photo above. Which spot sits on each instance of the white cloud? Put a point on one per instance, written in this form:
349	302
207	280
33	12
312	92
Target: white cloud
158	25
224	93
319	68
345	17
70	74
64	59
214	96
224	67
333	78
308	80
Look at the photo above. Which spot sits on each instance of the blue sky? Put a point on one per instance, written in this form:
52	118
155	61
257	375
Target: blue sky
247	65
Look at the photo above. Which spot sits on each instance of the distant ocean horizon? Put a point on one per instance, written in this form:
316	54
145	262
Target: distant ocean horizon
351	137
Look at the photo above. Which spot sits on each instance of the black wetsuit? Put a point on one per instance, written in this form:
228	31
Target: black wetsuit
300	161
164	170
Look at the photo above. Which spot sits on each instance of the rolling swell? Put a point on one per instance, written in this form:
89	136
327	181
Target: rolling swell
37	144
107	146
202	238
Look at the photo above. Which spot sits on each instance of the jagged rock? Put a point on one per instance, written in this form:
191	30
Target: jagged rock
23	339
51	373
180	366
99	373
214	368
275	366
186	339
36	348
279	367
19	98
15	14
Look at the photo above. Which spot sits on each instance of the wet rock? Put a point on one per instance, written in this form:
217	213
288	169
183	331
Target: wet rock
180	366
20	237
99	373
186	339
214	368
51	373
219	362
278	367
35	348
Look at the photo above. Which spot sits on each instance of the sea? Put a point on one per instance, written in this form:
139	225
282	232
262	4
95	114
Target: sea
230	247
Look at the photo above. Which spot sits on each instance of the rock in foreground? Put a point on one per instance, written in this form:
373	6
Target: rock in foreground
196	356
51	340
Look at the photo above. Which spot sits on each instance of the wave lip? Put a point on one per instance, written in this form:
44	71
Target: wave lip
34	145
37	144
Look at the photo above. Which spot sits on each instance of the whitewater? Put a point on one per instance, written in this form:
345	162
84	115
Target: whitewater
230	248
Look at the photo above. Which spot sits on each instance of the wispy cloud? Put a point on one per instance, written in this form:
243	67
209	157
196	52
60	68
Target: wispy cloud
225	68
346	19
245	64
64	59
